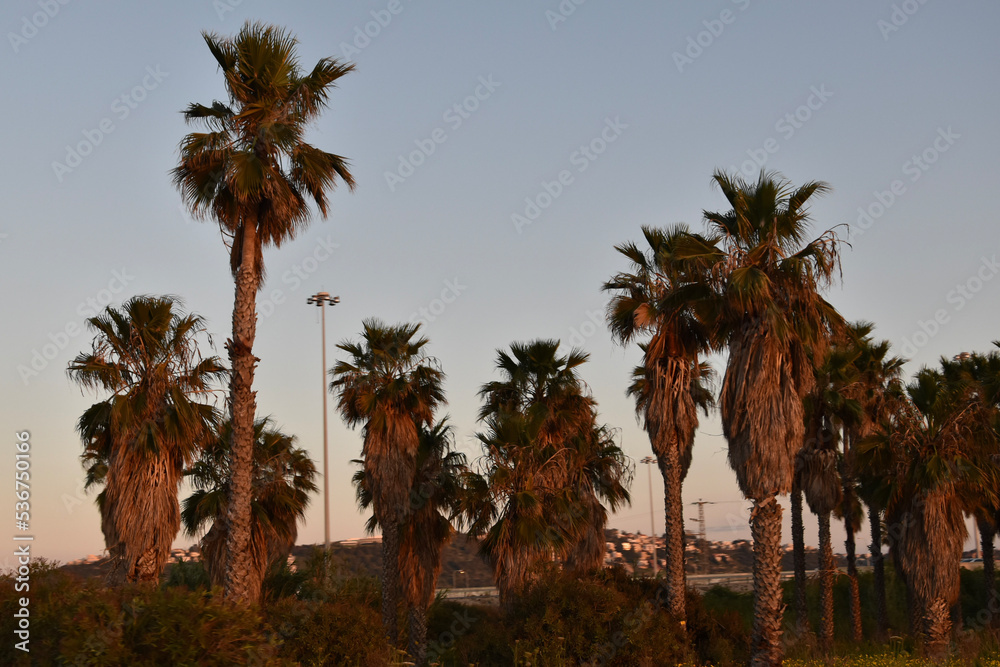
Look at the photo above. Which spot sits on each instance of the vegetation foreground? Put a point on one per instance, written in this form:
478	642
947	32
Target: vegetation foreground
319	616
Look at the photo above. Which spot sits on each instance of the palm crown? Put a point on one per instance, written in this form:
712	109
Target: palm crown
253	165
137	441
547	465
282	479
771	315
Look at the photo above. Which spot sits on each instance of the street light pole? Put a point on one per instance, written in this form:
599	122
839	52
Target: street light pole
321	299
649	460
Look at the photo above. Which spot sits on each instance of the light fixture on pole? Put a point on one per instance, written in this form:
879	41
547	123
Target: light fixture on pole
649	460
321	299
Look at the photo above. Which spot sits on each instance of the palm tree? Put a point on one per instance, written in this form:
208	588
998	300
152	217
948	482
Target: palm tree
283	477
852	513
660	297
880	392
933	477
875	462
137	441
548	467
799	550
975	381
827	411
510	503
876	381
436	497
391	388
770	314
253	173
600	473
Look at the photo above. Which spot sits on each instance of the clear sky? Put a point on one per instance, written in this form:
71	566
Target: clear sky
605	116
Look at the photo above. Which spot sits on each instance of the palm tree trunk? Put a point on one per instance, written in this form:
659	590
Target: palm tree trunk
670	466
989	581
799	560
850	497
937	624
855	589
878	569
118	572
418	635
827	574
765	526
915	613
149	565
243	399
956	620
390	581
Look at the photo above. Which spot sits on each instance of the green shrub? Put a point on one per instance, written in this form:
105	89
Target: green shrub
191	575
336	632
608	618
320	616
80	623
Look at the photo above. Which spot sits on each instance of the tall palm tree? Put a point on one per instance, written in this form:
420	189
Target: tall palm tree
876	458
548	467
510	502
660	297
799	550
436	497
876	381
770	314
852	513
283	476
137	441
932	476
254	174
880	392
390	388
827	411
975	381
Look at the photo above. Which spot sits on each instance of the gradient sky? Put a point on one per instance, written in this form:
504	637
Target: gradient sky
849	93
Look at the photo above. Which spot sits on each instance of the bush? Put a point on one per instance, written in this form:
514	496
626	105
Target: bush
607	618
85	623
79	623
333	619
191	575
320	616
